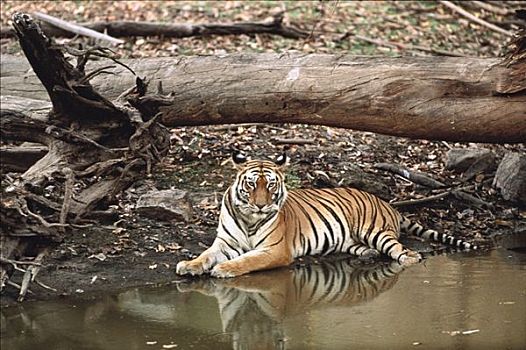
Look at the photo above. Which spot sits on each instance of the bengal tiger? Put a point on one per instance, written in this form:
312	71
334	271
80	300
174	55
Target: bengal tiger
262	225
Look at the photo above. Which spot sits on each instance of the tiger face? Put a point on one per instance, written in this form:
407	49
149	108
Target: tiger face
259	187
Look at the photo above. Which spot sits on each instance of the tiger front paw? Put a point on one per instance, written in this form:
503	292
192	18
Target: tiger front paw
409	258
190	268
225	271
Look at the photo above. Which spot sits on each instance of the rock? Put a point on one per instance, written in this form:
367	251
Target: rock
470	161
165	205
511	177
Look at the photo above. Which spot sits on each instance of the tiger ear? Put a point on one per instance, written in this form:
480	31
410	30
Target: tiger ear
282	160
238	158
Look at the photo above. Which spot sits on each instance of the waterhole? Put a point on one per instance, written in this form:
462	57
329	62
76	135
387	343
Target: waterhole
457	301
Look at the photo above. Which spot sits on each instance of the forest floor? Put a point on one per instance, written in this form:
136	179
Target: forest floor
136	250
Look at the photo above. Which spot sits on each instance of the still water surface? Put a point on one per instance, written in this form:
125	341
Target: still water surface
451	302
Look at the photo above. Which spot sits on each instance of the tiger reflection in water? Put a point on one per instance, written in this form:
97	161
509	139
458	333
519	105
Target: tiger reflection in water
253	307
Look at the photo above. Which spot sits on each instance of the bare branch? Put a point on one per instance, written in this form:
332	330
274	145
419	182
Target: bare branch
414	176
424	200
131	29
77	29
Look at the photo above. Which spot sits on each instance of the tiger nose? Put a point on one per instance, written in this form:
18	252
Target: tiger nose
260	205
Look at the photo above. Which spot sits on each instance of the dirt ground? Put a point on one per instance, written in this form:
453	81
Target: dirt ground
134	250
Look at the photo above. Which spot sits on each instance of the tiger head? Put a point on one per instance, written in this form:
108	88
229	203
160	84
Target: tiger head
259	187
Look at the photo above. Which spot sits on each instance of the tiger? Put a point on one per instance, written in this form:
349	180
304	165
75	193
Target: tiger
262	225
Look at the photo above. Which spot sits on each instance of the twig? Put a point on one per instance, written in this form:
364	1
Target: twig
98	51
45	286
410	202
432	198
414	176
475	19
96	72
422	179
77	29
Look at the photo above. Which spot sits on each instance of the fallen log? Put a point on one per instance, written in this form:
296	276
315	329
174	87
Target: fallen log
94	149
167	30
435	98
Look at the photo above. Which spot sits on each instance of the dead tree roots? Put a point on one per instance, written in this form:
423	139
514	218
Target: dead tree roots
94	149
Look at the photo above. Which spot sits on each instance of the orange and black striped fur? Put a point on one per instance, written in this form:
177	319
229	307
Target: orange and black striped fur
262	225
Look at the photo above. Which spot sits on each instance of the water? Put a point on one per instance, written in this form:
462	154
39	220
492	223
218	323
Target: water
450	302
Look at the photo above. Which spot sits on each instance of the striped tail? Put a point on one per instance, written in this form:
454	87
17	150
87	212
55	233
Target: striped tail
416	229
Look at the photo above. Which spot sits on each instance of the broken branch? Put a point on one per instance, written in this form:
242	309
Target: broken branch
424	200
132	29
425	180
77	29
414	176
457	192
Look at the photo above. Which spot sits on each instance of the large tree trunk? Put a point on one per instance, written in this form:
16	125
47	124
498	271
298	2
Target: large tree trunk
438	98
93	149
